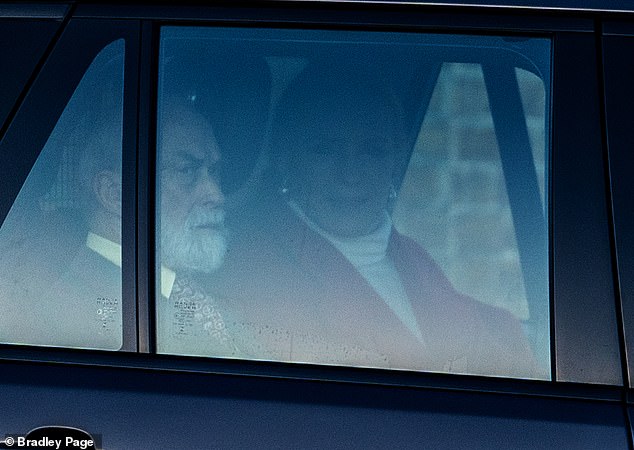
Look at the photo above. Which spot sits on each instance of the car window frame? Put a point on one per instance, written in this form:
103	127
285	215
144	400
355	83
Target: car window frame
43	109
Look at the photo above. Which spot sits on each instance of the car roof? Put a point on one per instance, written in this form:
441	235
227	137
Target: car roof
556	5
56	9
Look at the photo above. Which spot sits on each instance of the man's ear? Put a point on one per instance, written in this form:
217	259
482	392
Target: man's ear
107	188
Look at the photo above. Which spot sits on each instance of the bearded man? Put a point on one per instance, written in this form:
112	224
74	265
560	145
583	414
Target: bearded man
192	234
211	122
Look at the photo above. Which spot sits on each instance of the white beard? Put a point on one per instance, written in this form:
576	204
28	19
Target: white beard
191	250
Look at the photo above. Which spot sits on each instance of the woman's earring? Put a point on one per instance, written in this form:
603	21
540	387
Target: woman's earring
283	189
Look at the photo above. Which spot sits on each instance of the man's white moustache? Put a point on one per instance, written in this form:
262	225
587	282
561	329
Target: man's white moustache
204	217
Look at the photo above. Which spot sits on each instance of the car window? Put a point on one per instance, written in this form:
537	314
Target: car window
313	207
61	267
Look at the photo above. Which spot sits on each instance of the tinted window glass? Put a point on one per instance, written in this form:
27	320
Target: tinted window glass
316	207
61	267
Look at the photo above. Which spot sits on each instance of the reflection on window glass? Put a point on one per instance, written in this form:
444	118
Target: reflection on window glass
60	281
316	208
453	200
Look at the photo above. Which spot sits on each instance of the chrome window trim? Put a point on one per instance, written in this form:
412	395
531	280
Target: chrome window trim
33	11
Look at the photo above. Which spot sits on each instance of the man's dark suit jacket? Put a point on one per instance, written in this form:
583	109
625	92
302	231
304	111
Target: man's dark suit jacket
81	307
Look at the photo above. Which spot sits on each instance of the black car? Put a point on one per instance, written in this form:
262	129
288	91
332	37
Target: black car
315	224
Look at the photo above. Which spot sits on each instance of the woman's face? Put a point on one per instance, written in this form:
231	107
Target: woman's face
346	167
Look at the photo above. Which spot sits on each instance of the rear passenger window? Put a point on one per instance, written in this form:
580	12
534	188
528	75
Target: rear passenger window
354	198
60	281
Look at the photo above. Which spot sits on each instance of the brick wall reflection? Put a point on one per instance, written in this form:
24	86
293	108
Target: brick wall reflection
453	200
